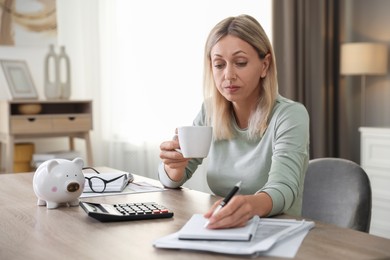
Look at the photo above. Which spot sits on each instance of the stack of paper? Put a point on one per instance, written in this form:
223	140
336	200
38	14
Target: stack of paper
114	181
271	234
39	158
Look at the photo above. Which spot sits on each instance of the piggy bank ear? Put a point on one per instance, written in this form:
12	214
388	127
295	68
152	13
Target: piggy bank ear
51	165
78	161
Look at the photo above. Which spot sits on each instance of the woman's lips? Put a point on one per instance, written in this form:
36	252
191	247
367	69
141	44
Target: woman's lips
232	89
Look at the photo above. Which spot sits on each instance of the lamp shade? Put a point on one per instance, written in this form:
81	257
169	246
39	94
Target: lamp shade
363	59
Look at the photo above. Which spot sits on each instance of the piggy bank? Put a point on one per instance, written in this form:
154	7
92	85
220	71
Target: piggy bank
59	181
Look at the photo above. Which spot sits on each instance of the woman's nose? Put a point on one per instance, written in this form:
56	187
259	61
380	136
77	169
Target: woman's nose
230	73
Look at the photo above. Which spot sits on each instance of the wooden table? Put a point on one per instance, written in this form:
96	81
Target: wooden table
28	231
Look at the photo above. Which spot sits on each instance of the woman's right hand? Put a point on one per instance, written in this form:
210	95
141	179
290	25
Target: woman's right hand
174	162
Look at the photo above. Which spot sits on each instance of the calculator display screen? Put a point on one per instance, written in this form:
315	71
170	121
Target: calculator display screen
93	207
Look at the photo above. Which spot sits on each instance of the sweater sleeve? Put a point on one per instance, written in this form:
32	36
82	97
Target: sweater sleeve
289	159
165	180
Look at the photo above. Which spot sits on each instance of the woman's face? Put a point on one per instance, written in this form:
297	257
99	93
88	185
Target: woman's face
237	70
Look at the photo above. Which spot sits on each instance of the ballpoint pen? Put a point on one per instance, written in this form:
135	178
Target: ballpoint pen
225	200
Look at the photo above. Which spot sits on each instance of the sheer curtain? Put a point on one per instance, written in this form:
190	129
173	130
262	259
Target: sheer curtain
151	57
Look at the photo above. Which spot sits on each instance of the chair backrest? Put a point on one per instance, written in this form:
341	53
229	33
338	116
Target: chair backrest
337	191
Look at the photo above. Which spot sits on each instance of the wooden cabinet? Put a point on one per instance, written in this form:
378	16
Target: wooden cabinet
375	159
65	118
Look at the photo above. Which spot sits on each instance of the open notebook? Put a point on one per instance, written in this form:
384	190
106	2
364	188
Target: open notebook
114	181
194	230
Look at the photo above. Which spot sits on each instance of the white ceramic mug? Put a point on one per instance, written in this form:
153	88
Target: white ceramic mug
195	141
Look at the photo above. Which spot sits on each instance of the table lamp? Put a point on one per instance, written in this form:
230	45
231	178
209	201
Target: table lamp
363	59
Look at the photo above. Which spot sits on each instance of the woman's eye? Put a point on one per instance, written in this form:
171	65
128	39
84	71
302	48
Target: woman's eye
241	64
218	66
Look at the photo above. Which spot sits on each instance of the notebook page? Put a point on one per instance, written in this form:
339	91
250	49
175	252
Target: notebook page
194	230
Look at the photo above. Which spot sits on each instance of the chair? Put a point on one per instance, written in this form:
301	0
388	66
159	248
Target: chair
337	191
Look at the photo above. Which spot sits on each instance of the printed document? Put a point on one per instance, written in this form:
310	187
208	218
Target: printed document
270	233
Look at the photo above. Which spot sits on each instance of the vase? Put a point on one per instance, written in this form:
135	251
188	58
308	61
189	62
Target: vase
52	88
64	73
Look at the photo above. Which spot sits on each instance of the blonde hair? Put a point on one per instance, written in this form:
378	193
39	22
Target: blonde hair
218	109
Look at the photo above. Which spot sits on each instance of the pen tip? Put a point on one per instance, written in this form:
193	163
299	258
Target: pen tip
239	184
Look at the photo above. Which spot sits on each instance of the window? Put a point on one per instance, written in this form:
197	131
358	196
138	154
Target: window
153	64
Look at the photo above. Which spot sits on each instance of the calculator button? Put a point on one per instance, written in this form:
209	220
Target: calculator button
111	210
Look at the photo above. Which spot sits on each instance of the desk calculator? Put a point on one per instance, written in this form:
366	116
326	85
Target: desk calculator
126	211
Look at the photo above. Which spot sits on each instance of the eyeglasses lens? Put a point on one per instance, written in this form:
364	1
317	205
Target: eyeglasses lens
97	184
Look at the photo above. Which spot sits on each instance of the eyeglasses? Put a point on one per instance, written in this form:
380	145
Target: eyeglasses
97	184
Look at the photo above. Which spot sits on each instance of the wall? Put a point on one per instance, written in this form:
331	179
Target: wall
153	62
78	32
364	21
79	29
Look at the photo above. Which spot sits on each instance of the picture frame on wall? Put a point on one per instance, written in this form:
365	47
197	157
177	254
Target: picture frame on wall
28	22
20	83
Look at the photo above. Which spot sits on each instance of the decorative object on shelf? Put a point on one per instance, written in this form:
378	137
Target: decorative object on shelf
64	73
22	157
57	74
29	109
52	88
19	79
363	59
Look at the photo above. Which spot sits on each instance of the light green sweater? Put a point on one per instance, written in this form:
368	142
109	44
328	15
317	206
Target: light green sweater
275	164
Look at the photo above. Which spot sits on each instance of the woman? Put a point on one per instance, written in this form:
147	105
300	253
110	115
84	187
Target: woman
259	137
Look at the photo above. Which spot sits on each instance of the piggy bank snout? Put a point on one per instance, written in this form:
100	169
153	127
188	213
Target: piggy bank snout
73	187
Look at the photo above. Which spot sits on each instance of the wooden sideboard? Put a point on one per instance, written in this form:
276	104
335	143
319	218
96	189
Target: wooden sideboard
375	160
59	118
